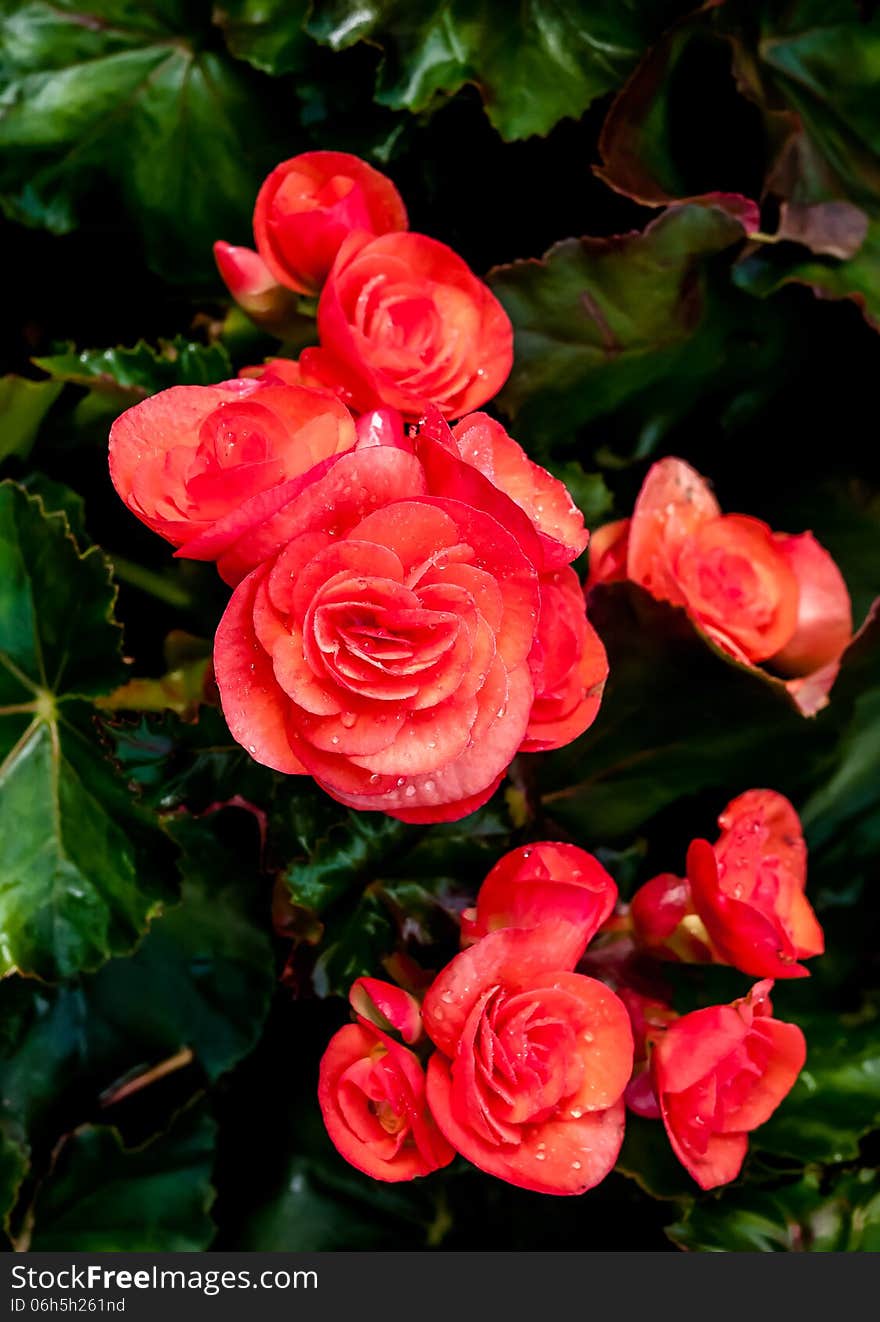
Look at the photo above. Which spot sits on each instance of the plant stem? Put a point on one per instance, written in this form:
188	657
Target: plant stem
148	581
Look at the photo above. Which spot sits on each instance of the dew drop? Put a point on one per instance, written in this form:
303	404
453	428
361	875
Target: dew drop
410	791
252	748
348	719
374	779
539	1156
429	785
575	1113
447	996
438	1013
588	1037
401	780
335	739
575	1165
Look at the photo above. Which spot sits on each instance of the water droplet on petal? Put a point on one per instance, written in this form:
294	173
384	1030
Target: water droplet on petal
575	1165
348	719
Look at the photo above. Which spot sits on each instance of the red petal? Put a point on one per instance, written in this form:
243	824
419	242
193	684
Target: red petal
824	613
253	703
673	503
557	1157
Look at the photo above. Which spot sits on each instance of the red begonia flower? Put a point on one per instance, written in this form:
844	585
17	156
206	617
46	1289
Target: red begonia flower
404	322
743	901
310	204
390	636
749	889
193	458
761	596
718	1074
371	1092
382	644
532	1063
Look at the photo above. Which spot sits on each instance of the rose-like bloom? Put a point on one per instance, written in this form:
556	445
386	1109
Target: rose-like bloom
254	287
310	204
761	596
718	1074
194	459
531	1066
383	639
371	1090
404	322
743	902
749	889
546	881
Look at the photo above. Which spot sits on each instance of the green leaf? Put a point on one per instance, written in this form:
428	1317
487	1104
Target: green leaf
23	406
553	62
659	738
810	70
767	270
311	1213
367	887
200	981
824	60
13	1168
86	867
141	370
191	764
343	850
267	33
598	320
123	106
57	497
102	1197
836	1100
804	1217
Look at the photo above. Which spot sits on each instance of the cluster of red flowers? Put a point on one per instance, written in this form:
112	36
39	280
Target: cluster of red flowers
535	1045
404	618
762	596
